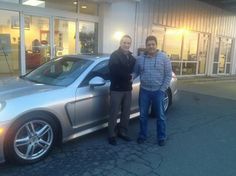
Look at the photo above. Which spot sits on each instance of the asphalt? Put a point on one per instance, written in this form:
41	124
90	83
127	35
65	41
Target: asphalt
201	141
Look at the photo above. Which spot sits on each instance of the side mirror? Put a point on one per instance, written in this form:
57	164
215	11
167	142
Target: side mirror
97	81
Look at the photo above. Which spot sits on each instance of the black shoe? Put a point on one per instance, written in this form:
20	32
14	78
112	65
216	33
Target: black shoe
124	137
161	142
140	140
112	141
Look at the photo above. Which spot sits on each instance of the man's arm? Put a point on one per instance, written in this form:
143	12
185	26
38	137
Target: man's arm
136	70
167	75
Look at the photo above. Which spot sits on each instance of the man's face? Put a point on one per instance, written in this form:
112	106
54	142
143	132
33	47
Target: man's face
125	44
151	47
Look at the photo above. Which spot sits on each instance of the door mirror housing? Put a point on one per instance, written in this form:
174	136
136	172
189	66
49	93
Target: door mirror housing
97	81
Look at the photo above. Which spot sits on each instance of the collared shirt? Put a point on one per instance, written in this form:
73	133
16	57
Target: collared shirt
155	72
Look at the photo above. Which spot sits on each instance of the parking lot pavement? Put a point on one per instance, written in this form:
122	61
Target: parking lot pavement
201	142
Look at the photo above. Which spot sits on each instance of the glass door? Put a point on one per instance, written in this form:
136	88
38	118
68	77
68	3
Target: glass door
9	43
222	56
37	44
64	37
202	52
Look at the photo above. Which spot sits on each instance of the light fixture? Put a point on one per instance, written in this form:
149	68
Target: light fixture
117	35
84	7
34	3
75	2
1	130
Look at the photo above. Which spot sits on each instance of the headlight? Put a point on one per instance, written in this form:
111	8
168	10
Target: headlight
2	105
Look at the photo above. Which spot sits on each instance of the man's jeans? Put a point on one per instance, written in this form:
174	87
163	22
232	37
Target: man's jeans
154	98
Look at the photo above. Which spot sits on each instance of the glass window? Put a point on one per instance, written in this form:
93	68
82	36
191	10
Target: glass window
10	1
222	56
64	38
176	67
217	50
9	42
190	46
173	43
227	68
37	41
202	52
228	52
215	68
89	8
159	32
88	37
69	5
189	68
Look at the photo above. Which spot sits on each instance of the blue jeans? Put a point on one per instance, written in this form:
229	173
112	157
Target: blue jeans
154	98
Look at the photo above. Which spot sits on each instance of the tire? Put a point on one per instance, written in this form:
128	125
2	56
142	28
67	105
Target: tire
30	138
167	103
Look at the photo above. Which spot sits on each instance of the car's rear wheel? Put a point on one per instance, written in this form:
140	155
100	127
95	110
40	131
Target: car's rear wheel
167	100
30	138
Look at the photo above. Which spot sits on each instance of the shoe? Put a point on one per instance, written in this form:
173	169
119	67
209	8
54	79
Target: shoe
161	142
140	140
124	137
112	141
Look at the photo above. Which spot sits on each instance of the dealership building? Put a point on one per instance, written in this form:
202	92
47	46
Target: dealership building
198	36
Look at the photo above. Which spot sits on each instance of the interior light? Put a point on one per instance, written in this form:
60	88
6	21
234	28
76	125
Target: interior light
1	131
118	35
75	2
84	7
34	3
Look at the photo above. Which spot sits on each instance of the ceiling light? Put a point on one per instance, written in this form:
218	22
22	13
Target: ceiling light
34	3
84	7
75	2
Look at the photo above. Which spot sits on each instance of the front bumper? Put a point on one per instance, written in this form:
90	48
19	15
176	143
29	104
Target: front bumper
3	129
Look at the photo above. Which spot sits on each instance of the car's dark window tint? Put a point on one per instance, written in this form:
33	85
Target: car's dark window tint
101	70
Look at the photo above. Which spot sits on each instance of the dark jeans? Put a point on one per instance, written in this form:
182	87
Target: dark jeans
120	101
146	98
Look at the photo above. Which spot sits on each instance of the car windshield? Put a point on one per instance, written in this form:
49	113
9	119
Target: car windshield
59	72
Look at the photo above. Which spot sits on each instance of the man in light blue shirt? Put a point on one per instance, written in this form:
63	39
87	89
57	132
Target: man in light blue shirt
155	71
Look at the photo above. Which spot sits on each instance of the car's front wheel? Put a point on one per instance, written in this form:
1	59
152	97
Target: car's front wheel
30	138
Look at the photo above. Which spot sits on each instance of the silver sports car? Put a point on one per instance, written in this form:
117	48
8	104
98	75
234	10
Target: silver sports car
65	98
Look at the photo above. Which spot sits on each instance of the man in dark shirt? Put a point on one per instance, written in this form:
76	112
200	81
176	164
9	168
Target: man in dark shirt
121	65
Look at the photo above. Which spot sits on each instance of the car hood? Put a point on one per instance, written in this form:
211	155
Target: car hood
17	87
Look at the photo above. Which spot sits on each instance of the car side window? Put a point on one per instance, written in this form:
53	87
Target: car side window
100	70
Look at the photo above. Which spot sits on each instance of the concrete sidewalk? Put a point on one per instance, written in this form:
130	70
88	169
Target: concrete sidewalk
207	78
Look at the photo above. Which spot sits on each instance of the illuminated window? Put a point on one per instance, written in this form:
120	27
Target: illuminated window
64	39
88	37
37	41
222	56
186	49
173	43
9	42
190	46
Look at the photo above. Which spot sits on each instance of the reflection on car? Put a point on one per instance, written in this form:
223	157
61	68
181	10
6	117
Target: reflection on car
63	99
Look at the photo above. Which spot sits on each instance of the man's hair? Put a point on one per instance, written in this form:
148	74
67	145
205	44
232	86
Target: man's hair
125	36
151	37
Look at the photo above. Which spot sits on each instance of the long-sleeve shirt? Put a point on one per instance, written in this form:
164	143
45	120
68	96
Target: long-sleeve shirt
155	72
